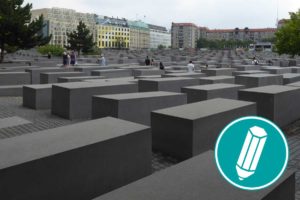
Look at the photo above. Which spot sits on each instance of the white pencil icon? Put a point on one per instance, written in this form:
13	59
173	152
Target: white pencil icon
251	152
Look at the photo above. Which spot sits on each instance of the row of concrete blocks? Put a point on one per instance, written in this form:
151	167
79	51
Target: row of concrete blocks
83	161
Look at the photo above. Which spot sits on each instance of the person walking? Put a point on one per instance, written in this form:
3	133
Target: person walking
191	67
102	60
147	61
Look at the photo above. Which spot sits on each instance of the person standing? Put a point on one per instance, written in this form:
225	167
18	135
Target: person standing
65	59
73	58
161	66
191	67
102	60
147	61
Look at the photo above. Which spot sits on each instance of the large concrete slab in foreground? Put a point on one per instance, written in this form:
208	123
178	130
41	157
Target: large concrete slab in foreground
277	103
258	80
80	161
198	178
187	130
166	84
74	100
135	107
211	91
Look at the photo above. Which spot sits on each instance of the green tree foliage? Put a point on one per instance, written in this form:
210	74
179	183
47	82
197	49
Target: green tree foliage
221	44
288	36
161	47
81	39
16	28
52	49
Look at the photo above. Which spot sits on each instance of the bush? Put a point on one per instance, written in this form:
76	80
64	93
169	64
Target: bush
53	49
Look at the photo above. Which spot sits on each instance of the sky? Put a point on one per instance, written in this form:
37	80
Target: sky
214	14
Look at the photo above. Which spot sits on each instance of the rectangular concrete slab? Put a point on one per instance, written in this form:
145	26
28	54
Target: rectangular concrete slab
52	77
191	75
290	78
258	80
198	178
147	72
113	73
37	96
12	121
246	67
80	161
188	130
216	79
135	107
35	73
88	69
14	78
78	79
219	71
250	72
277	70
11	91
74	100
166	84
277	103
211	91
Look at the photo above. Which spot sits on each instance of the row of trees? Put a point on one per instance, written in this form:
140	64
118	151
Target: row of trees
221	44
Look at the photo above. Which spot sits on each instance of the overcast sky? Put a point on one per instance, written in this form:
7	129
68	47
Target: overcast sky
209	13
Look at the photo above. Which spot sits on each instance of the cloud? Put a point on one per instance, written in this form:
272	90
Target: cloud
212	13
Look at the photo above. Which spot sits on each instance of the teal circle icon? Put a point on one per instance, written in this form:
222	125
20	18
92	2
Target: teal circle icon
251	153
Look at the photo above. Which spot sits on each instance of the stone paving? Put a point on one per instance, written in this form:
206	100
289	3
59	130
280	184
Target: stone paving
42	120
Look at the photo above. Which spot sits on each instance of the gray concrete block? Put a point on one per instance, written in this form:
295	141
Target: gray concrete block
135	107
14	78
247	67
35	73
52	77
198	178
290	78
295	69
277	103
219	71
88	69
74	100
80	161
166	84
216	79
250	72
113	73
211	91
37	96
78	79
11	91
147	72
191	75
278	70
258	80
295	84
188	130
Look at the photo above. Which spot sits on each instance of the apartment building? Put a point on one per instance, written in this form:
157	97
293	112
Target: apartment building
60	21
184	35
159	36
139	35
112	33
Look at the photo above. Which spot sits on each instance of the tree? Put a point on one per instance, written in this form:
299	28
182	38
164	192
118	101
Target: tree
53	49
288	36
161	47
81	39
17	31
